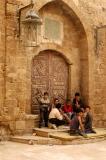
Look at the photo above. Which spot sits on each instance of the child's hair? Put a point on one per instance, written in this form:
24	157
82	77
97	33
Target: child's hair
77	94
46	93
79	110
58	106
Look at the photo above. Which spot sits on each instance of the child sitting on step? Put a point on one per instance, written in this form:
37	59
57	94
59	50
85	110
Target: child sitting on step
55	117
67	108
88	120
76	126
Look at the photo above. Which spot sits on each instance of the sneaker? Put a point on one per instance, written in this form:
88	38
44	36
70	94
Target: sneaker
84	135
49	125
93	131
52	126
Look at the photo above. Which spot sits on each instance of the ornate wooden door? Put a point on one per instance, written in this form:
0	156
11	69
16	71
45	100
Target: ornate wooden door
49	73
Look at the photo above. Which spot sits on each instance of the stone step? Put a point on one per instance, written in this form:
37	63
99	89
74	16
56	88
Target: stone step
29	139
59	137
45	132
70	140
66	138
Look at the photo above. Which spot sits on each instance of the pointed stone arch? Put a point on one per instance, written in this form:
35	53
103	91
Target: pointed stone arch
73	9
86	44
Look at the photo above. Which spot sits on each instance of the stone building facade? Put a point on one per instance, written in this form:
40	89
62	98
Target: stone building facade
66	54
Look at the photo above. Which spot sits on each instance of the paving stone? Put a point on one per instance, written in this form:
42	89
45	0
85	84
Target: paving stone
80	42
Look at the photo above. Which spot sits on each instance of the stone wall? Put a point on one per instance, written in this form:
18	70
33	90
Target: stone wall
83	47
2	54
95	12
100	77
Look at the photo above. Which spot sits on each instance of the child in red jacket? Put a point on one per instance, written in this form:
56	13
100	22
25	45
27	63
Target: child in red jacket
67	108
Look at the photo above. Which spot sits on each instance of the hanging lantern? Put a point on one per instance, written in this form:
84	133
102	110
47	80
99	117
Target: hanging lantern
31	27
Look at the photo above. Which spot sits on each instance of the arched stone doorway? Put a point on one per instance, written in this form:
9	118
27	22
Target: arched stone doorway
73	46
49	73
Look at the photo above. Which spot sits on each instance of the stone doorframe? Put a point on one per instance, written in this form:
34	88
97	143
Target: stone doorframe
35	52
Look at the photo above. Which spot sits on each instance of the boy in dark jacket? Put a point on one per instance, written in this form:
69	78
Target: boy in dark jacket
77	102
88	120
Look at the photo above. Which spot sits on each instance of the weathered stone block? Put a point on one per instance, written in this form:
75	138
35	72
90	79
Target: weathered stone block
20	125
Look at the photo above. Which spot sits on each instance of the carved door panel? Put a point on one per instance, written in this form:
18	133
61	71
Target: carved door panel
58	75
49	73
40	72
